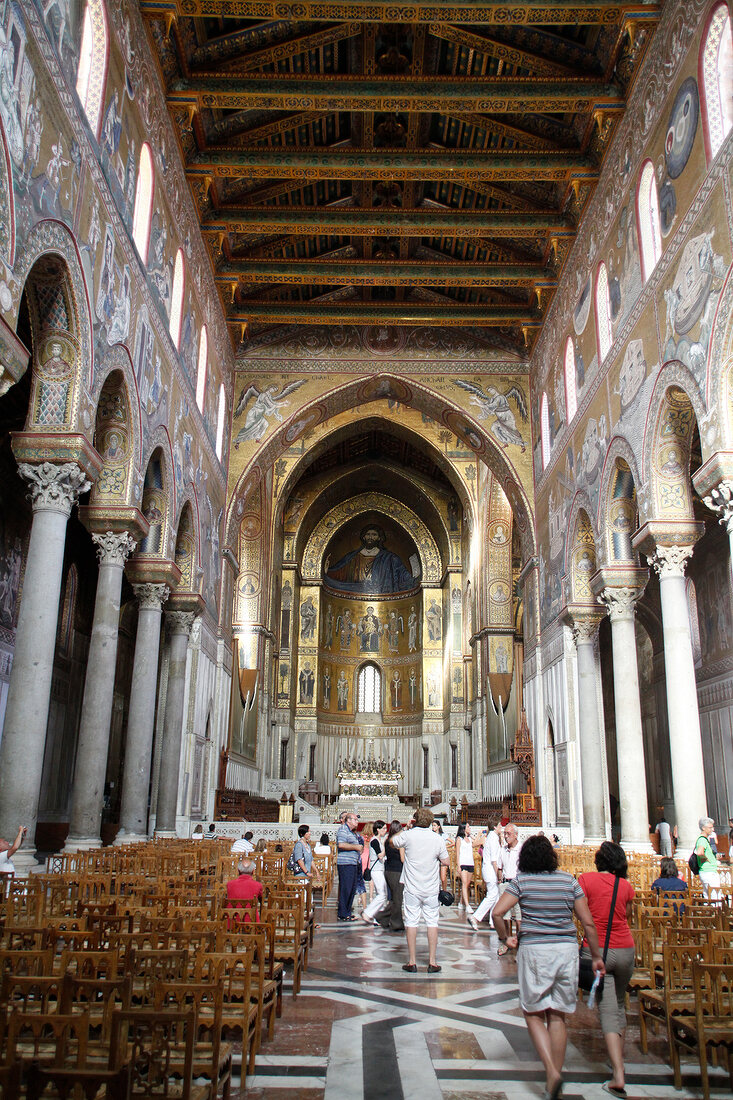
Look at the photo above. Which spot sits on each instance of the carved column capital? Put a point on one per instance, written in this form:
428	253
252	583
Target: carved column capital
585	630
720	500
180	622
670	561
113	548
53	488
151	595
620	602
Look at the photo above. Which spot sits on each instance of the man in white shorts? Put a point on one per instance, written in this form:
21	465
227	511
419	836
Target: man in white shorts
489	873
508	863
423	875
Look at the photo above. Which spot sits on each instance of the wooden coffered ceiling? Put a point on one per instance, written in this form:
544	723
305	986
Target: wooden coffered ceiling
394	163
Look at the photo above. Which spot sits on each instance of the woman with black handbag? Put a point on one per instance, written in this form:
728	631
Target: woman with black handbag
609	900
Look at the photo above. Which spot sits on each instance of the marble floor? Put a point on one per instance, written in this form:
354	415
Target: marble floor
362	1029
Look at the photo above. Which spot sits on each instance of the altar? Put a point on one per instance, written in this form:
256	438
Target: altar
369	787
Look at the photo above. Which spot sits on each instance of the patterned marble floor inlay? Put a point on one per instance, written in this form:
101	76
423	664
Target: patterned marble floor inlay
363	1029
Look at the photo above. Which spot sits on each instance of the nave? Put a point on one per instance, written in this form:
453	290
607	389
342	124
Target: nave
361	1029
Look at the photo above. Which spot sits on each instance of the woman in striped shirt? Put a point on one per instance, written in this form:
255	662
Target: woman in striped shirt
547	959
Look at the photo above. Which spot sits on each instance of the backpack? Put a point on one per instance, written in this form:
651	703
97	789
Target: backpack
693	862
292	864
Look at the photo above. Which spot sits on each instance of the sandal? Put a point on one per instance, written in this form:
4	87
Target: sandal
411	968
502	950
614	1090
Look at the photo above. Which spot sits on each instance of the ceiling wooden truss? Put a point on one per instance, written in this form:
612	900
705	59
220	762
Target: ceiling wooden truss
385	163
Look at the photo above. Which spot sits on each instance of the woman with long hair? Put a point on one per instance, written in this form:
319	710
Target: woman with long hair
547	956
598	886
391	916
465	863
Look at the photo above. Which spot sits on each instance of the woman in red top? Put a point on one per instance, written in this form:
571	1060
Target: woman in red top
598	889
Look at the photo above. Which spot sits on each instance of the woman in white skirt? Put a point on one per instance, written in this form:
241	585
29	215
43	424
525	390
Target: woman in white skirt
376	867
547	957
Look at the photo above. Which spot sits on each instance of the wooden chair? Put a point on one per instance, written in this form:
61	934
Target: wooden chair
710	1029
676	995
75	1084
158	1047
291	942
33	963
149	967
99	997
233	972
212	1057
50	1038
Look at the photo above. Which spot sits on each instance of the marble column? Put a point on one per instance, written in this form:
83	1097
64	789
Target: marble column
592	737
87	798
141	716
685	741
180	624
53	492
629	734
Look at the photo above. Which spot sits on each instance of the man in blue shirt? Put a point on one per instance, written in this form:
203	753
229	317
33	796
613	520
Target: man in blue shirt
348	858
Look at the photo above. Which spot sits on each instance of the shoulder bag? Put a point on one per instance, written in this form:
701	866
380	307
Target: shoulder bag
586	973
367	872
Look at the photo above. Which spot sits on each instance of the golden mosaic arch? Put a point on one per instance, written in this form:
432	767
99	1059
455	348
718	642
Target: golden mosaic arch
378	502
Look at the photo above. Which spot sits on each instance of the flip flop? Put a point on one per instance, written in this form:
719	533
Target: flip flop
502	950
614	1090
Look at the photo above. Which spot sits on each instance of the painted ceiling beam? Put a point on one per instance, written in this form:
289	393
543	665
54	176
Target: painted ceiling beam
278	51
407	273
529	13
468	224
392	313
491	47
385	164
492	95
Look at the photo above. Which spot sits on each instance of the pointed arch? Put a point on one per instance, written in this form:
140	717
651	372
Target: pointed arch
419	401
202	370
545	431
176	315
571	393
369	689
647	218
48	240
715	75
158	503
185	552
604	334
675	409
220	422
617	515
114	442
143	210
91	75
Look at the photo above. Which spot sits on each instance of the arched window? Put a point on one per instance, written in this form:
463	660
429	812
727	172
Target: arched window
545	430
716	80
92	72
174	323
220	422
143	203
603	314
647	209
369	690
571	395
202	369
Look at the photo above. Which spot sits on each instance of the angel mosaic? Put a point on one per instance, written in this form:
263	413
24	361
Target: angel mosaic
265	404
495	403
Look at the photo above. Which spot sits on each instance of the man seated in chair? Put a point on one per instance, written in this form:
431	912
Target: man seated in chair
243	892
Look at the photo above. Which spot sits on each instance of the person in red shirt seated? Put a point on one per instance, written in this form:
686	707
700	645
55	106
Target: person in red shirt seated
243	892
